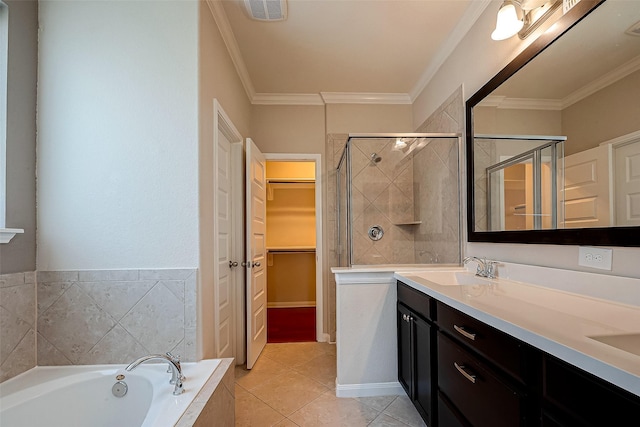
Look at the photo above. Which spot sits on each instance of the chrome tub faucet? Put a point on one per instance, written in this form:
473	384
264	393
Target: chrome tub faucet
174	368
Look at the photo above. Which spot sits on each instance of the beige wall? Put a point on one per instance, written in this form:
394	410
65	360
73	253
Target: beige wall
217	80
288	128
291	170
607	114
517	122
367	118
291	219
475	60
291	279
20	254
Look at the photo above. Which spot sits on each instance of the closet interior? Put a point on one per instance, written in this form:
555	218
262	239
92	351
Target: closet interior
291	251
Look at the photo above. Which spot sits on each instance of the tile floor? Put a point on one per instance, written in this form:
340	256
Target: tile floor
293	384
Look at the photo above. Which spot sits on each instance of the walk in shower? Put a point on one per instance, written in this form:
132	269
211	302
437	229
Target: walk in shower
398	199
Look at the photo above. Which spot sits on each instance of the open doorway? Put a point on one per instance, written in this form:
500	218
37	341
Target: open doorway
294	267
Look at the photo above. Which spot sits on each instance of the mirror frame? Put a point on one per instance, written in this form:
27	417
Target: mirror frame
601	236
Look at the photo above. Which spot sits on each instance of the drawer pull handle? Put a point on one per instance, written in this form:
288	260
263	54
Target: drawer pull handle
467	375
464	333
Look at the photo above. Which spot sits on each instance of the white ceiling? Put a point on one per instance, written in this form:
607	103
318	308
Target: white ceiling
345	46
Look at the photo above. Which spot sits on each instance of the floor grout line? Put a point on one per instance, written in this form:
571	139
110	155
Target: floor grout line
282	356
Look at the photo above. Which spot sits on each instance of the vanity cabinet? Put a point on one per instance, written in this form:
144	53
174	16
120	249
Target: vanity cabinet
461	372
484	375
573	397
509	354
476	389
416	358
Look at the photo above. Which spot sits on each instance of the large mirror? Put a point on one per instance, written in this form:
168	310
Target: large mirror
553	140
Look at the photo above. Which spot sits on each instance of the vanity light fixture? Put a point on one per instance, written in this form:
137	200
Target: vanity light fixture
509	22
523	17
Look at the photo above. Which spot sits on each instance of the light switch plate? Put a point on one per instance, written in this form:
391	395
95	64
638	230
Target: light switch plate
595	257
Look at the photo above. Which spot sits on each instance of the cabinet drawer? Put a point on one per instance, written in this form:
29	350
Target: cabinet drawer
585	399
418	302
480	396
505	351
447	415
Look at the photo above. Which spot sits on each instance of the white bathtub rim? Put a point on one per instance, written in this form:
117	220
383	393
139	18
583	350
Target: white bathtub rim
44	379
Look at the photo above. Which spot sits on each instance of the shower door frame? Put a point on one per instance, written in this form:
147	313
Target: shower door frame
346	159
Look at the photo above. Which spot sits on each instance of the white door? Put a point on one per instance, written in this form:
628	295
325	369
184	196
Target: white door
223	267
256	253
586	189
627	184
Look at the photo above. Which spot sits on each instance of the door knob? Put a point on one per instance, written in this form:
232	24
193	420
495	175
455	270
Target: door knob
233	264
256	264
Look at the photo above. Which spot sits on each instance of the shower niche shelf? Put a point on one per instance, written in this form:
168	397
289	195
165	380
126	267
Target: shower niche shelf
407	223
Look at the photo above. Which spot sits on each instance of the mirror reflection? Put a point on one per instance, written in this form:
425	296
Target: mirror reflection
557	145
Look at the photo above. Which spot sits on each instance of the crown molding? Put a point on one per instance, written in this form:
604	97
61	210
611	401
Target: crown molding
608	79
220	16
365	98
503	102
287	99
471	15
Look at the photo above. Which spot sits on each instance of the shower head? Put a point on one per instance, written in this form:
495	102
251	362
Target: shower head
375	158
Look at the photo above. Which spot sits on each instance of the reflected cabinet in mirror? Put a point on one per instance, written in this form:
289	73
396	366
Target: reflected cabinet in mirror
553	140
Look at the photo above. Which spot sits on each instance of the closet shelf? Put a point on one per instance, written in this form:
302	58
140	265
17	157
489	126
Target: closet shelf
291	249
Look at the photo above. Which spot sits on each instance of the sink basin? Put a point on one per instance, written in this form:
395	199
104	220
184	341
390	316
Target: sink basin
626	342
452	278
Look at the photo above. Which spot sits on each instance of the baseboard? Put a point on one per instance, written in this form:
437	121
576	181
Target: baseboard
370	389
291	304
324	338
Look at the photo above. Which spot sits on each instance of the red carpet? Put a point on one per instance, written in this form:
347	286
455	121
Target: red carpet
291	324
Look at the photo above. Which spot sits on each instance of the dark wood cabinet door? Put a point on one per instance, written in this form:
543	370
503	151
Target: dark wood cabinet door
585	400
405	348
424	378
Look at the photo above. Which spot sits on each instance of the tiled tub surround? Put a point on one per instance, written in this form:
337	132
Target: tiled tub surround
115	316
17	323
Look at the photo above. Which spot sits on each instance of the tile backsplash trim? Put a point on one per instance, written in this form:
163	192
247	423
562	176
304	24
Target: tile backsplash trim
115	316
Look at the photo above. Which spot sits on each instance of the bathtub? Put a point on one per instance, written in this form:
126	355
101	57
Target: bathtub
82	396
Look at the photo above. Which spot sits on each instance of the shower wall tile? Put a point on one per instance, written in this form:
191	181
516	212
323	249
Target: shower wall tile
335	147
113	316
17	324
437	239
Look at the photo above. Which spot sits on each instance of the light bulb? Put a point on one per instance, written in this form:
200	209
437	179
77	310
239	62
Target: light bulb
507	24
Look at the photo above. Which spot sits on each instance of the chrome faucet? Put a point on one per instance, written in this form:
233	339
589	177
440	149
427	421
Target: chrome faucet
174	368
485	267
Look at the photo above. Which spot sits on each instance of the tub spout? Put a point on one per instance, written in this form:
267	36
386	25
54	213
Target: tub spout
174	366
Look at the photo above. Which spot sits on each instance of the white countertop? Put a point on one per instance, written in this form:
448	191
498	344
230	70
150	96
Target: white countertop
555	321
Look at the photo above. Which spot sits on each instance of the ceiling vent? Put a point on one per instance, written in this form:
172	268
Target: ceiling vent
266	10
